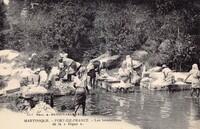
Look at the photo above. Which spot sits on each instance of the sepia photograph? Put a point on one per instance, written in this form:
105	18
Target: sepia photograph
94	64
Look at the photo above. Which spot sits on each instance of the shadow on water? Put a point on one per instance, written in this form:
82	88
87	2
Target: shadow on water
148	109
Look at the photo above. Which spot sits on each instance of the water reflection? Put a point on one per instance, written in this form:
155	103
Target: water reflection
148	109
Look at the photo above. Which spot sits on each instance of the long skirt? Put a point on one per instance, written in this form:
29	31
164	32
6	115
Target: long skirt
195	83
80	98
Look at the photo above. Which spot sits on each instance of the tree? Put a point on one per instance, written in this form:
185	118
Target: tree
2	24
86	29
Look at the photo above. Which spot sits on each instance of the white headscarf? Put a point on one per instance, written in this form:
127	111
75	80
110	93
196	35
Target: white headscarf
195	70
195	66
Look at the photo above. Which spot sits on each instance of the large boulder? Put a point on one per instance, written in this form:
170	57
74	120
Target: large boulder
12	85
145	82
156	75
136	63
8	55
33	89
25	75
158	84
139	55
42	108
107	58
63	88
5	69
100	57
155	69
180	76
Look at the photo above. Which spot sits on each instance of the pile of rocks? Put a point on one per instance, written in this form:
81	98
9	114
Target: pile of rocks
42	108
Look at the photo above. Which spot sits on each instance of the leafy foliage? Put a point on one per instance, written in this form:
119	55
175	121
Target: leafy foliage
167	29
2	24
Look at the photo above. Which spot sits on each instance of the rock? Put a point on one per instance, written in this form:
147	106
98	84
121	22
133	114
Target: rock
34	89
136	63
120	85
180	76
114	84
155	69
42	108
156	75
139	55
5	69
158	84
55	71
12	84
8	55
110	60
157	81
101	57
24	74
145	82
63	88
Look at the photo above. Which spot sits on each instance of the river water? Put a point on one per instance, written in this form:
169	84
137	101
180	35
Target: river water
147	109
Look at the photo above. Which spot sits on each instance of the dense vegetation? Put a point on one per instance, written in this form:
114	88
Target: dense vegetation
2	24
167	29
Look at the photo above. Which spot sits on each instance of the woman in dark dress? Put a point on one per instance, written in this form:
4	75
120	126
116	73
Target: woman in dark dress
92	73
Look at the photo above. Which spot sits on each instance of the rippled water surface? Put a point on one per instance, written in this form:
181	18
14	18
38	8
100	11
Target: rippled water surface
148	109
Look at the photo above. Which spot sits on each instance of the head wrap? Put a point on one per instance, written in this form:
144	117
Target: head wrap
195	66
164	66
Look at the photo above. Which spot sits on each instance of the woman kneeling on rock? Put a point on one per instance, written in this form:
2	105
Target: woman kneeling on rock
124	73
195	81
80	84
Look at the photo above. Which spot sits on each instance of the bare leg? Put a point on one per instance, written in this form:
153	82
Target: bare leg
192	91
83	107
69	77
93	82
197	90
76	109
130	78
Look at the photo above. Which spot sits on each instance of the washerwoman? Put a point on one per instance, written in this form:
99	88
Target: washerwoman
80	84
195	73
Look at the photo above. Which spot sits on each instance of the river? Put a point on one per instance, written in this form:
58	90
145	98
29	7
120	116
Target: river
147	109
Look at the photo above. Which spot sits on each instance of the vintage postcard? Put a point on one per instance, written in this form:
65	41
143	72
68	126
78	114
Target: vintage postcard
94	64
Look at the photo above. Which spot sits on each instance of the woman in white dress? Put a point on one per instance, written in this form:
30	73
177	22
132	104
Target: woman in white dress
195	73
